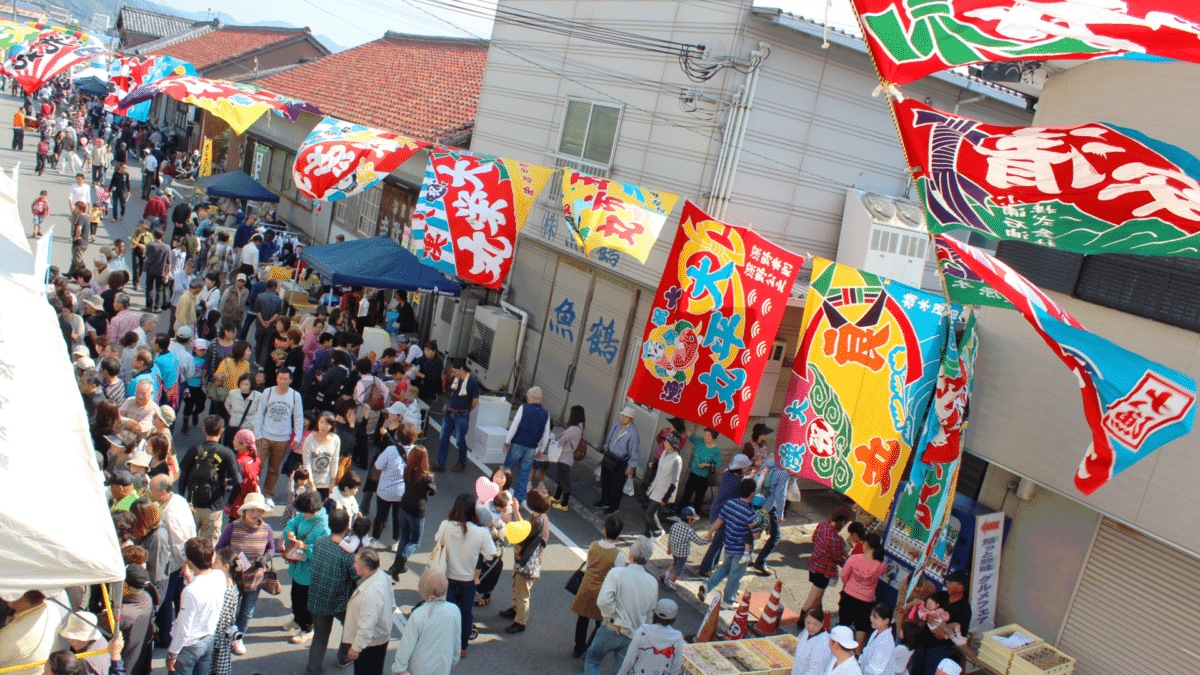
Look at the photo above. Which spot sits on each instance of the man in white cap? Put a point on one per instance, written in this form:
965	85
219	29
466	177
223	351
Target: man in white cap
233	302
620	459
739	467
657	647
82	635
948	667
842	644
528	436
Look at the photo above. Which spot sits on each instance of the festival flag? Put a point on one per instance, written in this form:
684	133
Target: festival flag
1092	188
238	104
52	53
470	211
619	216
713	322
914	38
862	382
14	34
130	72
339	159
962	285
1132	404
923	507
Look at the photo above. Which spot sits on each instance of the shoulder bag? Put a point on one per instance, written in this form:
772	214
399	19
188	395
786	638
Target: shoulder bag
580	450
215	391
437	557
576	580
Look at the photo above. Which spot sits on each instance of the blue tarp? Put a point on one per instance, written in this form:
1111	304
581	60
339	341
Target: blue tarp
377	262
237	185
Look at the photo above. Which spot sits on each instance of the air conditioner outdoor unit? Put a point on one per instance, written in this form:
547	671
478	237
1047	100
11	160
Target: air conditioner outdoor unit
493	351
452	320
887	237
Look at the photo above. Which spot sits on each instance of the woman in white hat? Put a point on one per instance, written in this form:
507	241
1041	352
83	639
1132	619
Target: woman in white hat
252	536
82	635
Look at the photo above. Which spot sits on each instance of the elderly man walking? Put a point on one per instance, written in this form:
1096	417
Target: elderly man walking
626	601
528	436
620	459
368	624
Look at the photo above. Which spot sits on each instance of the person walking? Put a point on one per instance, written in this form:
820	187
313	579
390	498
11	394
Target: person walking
181	528
194	632
418	488
368	624
602	556
775	482
620	459
205	473
389	491
462	540
829	552
278	426
528	437
860	575
573	446
301	534
225	563
527	561
737	519
118	190
251	536
333	581
429	645
706	458
666	480
464	396
626	601
18	141
158	270
737	470
320	451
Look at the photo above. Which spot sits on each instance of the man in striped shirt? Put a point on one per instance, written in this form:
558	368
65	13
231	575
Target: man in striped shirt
737	517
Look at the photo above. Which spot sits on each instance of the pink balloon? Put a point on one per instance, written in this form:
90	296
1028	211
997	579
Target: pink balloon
485	489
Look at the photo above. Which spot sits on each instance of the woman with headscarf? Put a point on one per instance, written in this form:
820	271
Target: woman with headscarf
429	645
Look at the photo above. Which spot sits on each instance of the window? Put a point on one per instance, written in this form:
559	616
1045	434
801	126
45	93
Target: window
369	211
590	132
279	169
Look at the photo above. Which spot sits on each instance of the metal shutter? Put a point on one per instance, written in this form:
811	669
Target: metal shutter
1047	268
1132	609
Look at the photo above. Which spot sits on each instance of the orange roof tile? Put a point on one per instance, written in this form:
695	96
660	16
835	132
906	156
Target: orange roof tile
423	87
226	43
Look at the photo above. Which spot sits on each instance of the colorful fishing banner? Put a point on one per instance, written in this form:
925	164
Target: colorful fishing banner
238	104
923	507
862	382
714	319
1092	188
339	159
471	209
962	285
619	216
1132	404
17	35
52	53
910	39
130	72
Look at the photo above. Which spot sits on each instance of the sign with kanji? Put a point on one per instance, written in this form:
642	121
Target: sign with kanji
962	285
914	38
862	382
713	322
985	570
618	216
1133	405
53	52
1091	188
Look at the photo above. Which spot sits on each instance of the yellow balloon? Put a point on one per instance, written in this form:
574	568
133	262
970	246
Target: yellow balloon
517	531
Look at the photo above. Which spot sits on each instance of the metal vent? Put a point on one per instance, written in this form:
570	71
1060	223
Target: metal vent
481	345
448	307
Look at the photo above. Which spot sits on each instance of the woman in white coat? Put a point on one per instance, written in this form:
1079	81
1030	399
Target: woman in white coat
666	480
876	656
812	652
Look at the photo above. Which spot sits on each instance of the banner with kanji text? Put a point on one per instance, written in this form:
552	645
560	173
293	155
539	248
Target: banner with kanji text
862	382
713	322
603	213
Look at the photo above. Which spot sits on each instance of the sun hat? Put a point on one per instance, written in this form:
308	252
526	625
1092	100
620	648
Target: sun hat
629	411
254	500
81	626
167	414
139	458
844	637
81	350
86	363
739	461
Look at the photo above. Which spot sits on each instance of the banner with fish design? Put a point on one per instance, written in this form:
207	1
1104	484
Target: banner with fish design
130	72
713	323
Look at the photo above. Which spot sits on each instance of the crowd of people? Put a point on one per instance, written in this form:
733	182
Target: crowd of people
280	398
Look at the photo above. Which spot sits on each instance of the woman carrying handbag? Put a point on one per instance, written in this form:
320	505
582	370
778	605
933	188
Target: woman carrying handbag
460	540
602	556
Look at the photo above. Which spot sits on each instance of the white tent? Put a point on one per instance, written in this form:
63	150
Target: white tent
55	526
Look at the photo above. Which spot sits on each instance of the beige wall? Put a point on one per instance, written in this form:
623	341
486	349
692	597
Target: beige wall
1027	416
1158	99
272	58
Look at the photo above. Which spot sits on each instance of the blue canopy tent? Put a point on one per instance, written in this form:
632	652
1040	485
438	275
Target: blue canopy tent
377	262
237	185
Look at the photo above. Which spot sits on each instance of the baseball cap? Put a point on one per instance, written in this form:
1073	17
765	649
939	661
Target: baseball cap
844	637
86	363
758	501
241	277
80	350
185	333
739	461
687	512
666	609
136	577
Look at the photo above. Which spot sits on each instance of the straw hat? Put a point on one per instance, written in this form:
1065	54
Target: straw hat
254	500
81	626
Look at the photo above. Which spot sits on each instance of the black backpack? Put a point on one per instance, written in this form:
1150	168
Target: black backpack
202	481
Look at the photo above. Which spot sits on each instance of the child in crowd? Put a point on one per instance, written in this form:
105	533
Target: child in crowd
41	209
96	216
103	198
301	482
683	535
858	533
345	496
762	522
358	532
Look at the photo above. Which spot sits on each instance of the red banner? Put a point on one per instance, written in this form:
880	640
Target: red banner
52	53
714	319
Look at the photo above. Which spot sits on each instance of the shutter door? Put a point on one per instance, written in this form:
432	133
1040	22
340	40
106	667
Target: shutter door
561	336
602	338
1133	608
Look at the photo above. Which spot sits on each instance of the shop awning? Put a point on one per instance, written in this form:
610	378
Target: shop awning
377	262
237	185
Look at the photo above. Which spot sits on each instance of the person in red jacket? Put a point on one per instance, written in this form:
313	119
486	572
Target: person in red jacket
41	209
250	465
155	209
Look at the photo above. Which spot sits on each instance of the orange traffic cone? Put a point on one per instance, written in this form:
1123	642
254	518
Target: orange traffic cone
708	627
737	629
768	623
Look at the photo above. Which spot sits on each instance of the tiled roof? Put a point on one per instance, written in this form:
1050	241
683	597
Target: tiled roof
152	23
208	46
424	87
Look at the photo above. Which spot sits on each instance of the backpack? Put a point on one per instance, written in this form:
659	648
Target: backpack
375	399
202	481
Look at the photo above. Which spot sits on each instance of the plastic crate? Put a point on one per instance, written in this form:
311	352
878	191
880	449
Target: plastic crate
998	656
1041	660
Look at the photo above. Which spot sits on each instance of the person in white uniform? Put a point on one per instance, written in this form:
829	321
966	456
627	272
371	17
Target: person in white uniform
948	667
812	651
842	645
876	658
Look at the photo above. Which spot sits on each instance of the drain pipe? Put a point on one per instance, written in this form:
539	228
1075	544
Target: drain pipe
718	175
744	123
